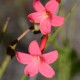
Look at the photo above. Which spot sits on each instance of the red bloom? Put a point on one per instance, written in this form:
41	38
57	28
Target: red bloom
37	62
46	15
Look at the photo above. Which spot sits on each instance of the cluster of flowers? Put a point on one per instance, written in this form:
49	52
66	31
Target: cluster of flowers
37	61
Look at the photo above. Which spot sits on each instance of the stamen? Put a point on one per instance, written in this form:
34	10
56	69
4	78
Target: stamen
38	57
47	14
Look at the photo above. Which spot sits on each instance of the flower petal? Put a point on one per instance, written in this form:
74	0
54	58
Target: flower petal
38	6
31	69
51	56
57	21
52	6
46	70
45	26
34	48
36	17
24	58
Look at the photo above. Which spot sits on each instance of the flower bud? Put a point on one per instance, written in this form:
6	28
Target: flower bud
43	42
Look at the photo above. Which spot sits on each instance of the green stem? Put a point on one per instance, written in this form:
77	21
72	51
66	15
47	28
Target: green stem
23	77
64	60
4	65
7	59
6	25
52	36
13	47
64	65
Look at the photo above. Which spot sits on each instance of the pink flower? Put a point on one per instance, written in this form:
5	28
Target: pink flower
46	16
37	62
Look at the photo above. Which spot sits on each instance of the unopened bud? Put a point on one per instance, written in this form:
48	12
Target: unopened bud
43	42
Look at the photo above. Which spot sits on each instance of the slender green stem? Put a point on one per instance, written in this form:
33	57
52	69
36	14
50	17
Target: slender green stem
4	29
64	60
64	64
6	25
23	77
4	65
7	59
52	36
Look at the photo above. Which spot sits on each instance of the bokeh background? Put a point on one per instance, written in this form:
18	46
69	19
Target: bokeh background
67	41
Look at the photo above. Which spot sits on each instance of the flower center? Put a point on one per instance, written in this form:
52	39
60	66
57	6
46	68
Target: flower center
38	58
48	14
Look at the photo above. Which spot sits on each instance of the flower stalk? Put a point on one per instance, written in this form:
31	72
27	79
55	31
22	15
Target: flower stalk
64	64
7	59
4	65
23	77
6	25
22	35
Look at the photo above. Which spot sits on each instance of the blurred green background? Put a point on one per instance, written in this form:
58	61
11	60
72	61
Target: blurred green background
67	40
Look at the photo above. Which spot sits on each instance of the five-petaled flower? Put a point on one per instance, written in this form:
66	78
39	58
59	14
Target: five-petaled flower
46	16
37	62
